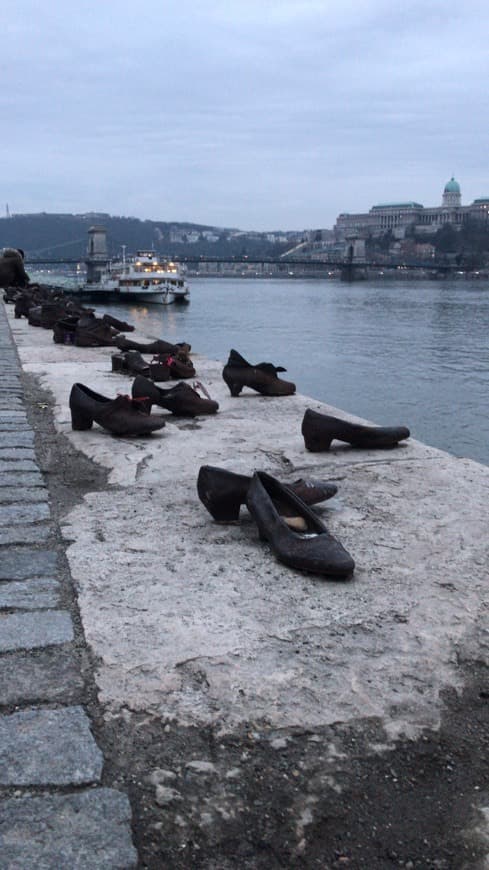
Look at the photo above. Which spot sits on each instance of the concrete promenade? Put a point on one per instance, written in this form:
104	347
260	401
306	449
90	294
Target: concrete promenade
160	669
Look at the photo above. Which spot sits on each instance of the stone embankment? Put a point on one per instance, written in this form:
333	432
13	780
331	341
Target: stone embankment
252	715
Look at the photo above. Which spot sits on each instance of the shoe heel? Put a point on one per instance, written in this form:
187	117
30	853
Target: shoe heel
118	362
80	422
223	507
225	511
234	387
317	446
222	510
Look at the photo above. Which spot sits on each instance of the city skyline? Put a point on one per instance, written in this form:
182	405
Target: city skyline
239	115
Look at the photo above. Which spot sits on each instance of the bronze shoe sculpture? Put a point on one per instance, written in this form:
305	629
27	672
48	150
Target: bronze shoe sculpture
34	315
223	492
262	377
64	330
179	365
314	550
181	400
120	325
319	430
92	331
159	371
156	346
51	312
121	416
130	362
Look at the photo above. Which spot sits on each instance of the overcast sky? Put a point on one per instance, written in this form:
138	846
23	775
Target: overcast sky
257	114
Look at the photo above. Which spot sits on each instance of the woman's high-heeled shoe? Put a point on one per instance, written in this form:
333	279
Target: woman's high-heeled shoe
223	492
121	416
314	550
181	400
262	377
319	430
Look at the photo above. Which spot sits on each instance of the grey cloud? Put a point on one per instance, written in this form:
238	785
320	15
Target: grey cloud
251	114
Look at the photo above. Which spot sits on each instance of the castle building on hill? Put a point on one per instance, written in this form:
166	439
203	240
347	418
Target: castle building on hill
398	216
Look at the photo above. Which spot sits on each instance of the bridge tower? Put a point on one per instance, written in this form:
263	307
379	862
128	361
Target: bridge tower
97	257
355	257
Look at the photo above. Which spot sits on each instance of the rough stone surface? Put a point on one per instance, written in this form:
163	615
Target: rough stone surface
48	747
86	831
42	675
199	621
30	630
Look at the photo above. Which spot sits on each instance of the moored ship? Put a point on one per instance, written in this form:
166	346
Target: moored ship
144	277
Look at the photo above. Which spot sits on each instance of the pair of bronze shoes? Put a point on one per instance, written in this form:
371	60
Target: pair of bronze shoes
262	377
282	514
162	367
123	416
182	400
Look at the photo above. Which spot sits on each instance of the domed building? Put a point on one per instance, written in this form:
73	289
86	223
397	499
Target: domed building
398	216
452	195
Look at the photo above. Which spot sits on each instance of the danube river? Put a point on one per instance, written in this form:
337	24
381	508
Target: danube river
414	353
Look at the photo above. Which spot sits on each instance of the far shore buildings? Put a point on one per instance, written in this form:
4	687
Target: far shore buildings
398	216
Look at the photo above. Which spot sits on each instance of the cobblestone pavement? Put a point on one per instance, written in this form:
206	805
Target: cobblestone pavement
55	810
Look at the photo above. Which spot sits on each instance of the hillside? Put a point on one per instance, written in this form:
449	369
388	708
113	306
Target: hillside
65	236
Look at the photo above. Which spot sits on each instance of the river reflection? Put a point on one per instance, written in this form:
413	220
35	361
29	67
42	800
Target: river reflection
413	353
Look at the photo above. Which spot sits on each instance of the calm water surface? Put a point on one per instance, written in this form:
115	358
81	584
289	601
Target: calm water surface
413	353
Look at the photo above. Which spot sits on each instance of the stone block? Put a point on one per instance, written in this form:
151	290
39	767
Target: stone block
21	478
17	439
17	494
48	747
13	414
29	594
14	514
23	564
90	830
17	465
13	425
8	453
37	629
39	675
35	534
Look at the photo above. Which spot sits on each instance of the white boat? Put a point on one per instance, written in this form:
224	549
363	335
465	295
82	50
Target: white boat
142	278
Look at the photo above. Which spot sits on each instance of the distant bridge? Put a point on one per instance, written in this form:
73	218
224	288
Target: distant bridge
325	265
